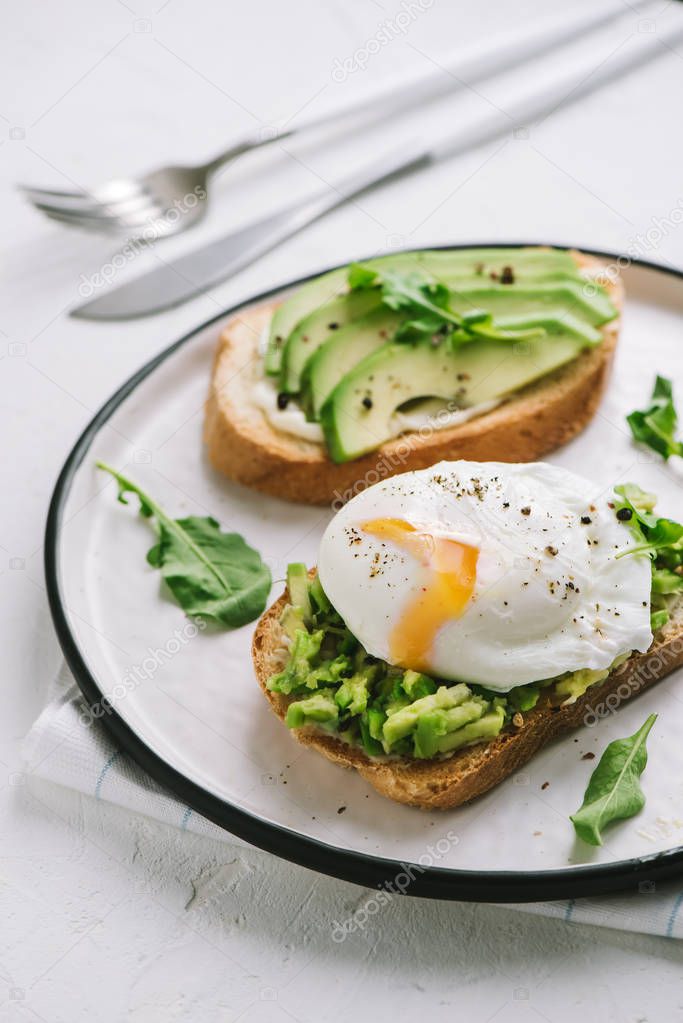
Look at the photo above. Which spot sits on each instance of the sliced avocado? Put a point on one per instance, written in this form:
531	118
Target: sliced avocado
318	595
403	721
317	292
376	718
302	302
344	350
319	709
353	693
356	417
576	683
373	747
566	292
524	698
296	674
533	289
432	726
417	685
485	727
317	327
292	620
328	672
297	585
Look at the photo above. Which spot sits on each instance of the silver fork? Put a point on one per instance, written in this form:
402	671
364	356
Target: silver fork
172	199
158	204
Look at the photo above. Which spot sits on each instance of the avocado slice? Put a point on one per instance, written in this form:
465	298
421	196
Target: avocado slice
297	585
319	709
353	694
453	262
318	596
501	299
344	350
356	415
303	652
431	738
314	329
401	722
416	685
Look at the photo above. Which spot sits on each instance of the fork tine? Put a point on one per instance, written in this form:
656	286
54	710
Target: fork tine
113	191
151	210
86	202
94	226
54	193
110	224
113	225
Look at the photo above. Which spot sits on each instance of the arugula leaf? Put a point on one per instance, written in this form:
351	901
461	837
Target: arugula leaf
656	536
211	574
411	291
614	791
428	304
639	502
660	539
656	425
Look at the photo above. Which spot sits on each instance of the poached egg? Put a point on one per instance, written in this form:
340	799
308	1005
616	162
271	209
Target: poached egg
491	573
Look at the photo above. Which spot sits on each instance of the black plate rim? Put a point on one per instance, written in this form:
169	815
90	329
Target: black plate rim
359	868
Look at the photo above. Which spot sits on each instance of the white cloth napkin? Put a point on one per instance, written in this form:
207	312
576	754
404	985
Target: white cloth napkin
67	747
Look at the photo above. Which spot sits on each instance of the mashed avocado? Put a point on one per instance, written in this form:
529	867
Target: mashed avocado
334	684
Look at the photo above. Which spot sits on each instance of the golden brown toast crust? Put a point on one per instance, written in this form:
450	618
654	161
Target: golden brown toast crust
243	445
447	783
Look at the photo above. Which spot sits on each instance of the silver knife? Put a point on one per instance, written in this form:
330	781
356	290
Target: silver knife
197	272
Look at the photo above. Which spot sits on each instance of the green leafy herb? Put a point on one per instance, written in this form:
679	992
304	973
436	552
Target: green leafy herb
657	536
614	791
661	539
639	502
211	574
429	314
656	425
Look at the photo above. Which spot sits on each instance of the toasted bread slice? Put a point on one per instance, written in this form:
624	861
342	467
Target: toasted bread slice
446	783
537	419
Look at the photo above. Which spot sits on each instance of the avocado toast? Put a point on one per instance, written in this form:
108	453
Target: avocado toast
442	784
342	368
439	727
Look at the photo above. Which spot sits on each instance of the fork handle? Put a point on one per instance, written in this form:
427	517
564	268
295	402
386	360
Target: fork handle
245	145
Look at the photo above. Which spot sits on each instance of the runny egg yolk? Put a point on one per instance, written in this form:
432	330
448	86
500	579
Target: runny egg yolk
452	573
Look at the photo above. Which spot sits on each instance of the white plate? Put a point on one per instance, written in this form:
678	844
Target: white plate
188	708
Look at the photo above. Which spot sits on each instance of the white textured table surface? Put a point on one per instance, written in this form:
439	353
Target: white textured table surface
107	916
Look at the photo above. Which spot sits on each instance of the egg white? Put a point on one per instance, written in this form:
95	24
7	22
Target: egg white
550	596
